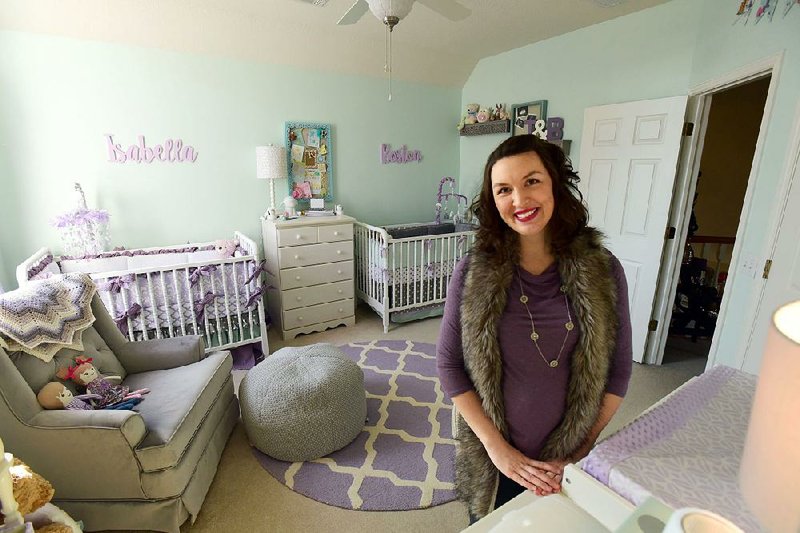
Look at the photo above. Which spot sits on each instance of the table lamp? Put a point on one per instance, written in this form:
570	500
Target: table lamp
770	472
271	165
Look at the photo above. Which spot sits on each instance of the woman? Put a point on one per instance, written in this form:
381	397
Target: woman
535	342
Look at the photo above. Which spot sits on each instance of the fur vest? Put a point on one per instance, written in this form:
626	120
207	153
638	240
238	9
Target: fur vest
585	271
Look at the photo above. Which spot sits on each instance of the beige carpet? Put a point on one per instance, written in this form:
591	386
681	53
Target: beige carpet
244	497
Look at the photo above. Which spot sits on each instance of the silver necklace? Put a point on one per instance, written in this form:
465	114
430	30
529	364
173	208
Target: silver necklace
569	326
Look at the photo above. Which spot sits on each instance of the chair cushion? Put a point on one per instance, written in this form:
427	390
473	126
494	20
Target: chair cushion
178	402
303	403
38	373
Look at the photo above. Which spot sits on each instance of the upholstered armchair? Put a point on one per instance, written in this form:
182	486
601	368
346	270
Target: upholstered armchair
147	468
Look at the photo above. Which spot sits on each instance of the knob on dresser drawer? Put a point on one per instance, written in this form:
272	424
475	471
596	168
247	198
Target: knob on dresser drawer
298	236
296	256
297	278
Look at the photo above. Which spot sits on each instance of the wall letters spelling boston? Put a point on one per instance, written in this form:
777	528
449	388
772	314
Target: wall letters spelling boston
401	156
173	150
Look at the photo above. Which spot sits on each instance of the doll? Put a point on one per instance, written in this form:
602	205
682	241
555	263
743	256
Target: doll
84	373
55	395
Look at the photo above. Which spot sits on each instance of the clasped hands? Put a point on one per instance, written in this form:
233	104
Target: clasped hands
542	477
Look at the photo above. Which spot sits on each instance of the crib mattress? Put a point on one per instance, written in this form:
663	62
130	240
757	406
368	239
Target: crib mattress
686	450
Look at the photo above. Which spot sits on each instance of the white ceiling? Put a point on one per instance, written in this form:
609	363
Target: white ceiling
426	46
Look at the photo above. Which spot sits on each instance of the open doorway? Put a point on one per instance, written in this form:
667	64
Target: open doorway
732	130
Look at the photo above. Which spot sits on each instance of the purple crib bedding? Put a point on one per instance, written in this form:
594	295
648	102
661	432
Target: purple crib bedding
686	450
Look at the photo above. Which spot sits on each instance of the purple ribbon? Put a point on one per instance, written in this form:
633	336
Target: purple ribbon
254	297
384	250
428	244
204	270
200	306
117	284
257	272
429	270
37	269
122	319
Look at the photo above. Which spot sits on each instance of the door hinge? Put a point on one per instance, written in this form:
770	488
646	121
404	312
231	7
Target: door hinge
688	129
670	233
767	266
653	325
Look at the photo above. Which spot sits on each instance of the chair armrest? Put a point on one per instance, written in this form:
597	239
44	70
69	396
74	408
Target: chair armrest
128	423
160	354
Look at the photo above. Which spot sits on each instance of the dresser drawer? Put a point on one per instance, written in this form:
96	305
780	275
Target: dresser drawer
329	292
297	236
292	278
315	254
339	232
315	314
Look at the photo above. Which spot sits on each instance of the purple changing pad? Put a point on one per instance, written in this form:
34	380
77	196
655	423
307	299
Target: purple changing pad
686	450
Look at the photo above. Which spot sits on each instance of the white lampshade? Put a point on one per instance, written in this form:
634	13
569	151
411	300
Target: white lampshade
271	165
270	162
387	8
770	471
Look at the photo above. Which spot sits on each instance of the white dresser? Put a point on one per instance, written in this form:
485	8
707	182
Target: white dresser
309	273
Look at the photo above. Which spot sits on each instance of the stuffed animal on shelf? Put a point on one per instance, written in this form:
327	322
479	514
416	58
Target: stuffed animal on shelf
32	494
471	117
111	395
483	115
55	395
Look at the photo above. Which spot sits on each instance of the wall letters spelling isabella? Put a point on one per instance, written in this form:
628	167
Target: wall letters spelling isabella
173	150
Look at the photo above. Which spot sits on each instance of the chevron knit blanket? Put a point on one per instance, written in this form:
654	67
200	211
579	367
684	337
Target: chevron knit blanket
45	316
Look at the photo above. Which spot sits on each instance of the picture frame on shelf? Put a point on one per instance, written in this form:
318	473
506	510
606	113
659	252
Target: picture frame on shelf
309	148
521	122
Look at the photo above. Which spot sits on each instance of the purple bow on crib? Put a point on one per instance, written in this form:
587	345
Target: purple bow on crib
254	297
257	272
122	319
117	284
428	244
200	306
204	270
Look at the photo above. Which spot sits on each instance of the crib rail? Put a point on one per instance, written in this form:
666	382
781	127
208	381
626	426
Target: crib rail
395	275
219	299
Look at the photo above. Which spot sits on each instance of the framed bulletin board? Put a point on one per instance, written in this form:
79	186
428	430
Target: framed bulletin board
309	149
523	116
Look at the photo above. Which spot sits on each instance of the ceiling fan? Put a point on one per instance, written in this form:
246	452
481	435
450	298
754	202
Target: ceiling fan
390	12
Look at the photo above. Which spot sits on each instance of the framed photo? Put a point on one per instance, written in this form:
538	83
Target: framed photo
524	116
309	148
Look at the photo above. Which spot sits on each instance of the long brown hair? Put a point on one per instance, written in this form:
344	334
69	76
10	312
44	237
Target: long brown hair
570	215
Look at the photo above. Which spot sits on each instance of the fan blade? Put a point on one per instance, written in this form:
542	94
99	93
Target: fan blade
449	9
354	14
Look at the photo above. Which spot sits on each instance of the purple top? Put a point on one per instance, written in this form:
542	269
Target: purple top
534	393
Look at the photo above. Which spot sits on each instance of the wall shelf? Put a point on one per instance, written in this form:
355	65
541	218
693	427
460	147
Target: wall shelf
485	128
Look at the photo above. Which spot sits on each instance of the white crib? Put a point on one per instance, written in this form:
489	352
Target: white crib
402	271
155	293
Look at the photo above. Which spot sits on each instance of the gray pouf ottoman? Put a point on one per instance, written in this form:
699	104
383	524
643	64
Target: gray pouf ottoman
303	403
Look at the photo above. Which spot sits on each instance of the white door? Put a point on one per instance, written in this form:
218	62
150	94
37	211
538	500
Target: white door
628	159
783	283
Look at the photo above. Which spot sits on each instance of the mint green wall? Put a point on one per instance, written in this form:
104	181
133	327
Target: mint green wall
60	96
663	51
647	54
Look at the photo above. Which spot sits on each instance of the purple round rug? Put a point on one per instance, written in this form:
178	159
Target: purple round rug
404	457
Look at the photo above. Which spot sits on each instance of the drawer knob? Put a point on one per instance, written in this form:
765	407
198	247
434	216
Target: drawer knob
336	233
338	252
341	310
297	256
298	237
299	319
338	272
297	278
299	298
340	291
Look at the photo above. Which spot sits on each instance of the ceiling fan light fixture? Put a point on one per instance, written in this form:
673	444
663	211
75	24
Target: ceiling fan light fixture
382	9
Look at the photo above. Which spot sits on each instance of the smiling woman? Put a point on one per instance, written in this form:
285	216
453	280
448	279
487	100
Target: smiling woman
538	310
